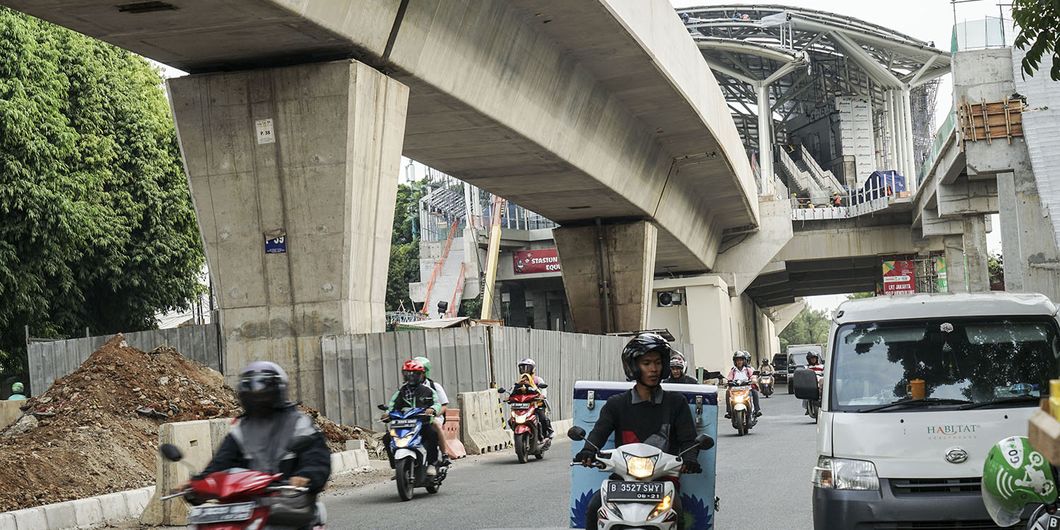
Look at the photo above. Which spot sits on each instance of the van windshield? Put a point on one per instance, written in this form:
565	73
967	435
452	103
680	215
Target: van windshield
950	362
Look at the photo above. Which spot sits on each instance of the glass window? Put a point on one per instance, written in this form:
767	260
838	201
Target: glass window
951	362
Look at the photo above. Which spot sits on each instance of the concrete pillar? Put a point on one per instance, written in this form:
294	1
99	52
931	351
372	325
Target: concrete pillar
909	167
709	314
966	257
765	140
1032	261
309	156
607	274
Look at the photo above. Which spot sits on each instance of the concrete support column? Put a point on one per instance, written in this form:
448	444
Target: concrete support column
516	305
966	257
709	314
1028	245
307	157
765	140
909	167
607	274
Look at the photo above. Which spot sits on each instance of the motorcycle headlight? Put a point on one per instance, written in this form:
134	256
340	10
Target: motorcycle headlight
520	419
639	466
845	474
661	508
403	441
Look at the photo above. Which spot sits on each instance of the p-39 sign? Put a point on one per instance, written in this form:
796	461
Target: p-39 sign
535	261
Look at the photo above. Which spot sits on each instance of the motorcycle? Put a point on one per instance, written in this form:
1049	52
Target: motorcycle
739	395
242	499
529	436
645	496
410	456
765	384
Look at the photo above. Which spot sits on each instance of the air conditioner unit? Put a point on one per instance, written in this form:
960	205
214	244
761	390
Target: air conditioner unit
669	298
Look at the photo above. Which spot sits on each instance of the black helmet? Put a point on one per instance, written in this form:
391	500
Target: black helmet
262	387
812	354
638	346
742	355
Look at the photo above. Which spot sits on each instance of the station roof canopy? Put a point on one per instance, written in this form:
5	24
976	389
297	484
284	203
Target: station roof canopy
807	58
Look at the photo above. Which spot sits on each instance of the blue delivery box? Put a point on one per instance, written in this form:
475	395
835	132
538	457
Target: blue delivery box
697	490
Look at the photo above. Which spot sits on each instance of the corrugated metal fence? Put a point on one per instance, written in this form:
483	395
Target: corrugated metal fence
362	371
52	360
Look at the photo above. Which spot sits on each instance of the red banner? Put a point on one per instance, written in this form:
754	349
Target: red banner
899	277
535	261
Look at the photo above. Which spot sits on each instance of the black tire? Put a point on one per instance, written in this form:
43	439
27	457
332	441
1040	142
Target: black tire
432	487
741	422
521	441
814	410
406	478
539	456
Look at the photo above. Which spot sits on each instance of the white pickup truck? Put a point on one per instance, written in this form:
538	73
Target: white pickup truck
916	391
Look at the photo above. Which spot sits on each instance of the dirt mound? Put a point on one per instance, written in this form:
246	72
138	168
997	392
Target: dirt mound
96	430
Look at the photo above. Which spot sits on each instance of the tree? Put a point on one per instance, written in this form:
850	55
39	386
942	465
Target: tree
995	264
97	226
859	296
1039	33
809	327
404	247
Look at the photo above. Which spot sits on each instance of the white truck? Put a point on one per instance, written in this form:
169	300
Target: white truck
917	389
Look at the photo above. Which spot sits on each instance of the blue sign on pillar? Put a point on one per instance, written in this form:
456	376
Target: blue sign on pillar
276	242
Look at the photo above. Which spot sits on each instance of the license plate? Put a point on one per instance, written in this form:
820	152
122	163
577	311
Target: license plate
635	491
1053	522
220	513
520	406
402	424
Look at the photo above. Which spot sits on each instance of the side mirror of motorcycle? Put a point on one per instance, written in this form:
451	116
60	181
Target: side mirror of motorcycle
300	444
705	442
542	386
756	372
501	390
711	375
576	433
381	407
171	452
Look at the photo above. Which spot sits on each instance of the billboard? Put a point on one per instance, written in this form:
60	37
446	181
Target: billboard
899	277
535	261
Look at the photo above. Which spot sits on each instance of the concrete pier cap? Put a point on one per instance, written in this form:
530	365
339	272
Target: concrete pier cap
292	176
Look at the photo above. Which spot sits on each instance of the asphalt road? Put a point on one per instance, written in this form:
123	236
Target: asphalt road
763	482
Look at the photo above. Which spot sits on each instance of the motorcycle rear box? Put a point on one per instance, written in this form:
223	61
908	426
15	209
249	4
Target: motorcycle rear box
697	491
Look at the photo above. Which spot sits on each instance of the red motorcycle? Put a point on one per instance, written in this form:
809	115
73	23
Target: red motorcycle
529	437
241	499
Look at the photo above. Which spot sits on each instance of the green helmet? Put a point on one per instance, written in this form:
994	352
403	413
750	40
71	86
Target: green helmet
1015	475
426	366
17	388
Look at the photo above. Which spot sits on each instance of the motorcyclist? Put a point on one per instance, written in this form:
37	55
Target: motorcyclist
529	381
813	362
439	420
259	439
413	393
766	368
678	365
742	371
645	414
17	392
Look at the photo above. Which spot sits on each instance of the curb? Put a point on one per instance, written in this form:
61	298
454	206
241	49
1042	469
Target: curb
121	506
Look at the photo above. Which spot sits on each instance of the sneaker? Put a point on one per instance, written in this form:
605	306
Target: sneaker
758	413
432	470
728	416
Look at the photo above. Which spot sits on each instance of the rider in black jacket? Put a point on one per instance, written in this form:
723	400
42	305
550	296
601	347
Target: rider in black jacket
678	370
259	439
645	414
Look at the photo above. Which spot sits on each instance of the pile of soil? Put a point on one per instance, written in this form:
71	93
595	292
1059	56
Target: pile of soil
95	431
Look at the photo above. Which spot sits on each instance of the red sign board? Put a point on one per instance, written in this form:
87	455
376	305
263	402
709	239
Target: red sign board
535	261
899	277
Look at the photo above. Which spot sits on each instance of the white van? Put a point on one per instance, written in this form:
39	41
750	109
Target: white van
917	389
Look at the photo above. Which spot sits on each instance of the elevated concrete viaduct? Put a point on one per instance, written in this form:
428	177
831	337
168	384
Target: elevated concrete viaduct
599	115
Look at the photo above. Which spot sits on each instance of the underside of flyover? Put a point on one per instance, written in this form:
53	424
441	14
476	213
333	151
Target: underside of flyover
799	279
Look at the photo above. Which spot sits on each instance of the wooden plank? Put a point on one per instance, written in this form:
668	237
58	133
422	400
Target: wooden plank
329	361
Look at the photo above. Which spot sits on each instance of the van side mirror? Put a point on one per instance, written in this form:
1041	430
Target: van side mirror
576	433
804	383
171	452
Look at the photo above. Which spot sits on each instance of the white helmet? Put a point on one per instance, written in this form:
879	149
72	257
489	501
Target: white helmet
527	366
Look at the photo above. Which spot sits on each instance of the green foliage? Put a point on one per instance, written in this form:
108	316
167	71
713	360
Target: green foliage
1039	33
859	296
996	266
809	327
404	247
97	225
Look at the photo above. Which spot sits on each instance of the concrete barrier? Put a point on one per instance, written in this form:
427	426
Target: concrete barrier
195	440
451	429
10	412
560	427
482	422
